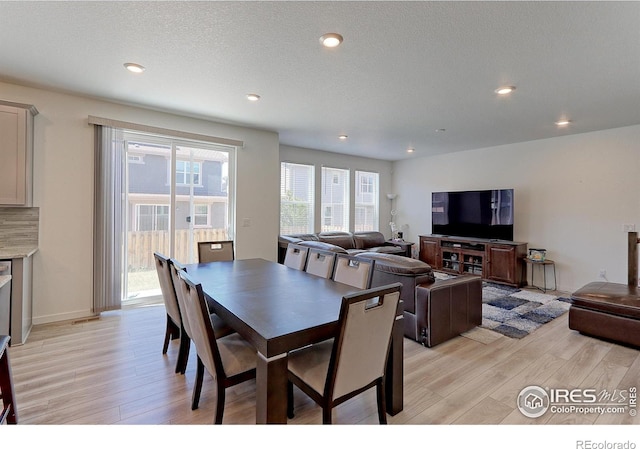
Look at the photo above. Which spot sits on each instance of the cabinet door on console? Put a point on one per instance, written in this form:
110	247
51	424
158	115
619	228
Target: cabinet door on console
502	264
430	252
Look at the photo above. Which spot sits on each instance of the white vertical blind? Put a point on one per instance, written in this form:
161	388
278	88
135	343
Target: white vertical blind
296	198
108	219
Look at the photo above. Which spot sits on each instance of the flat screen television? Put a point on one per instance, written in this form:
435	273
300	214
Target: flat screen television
483	214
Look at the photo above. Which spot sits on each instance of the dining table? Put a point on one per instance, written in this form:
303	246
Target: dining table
278	309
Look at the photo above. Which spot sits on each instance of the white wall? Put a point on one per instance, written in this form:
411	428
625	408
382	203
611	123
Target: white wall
353	163
572	196
63	190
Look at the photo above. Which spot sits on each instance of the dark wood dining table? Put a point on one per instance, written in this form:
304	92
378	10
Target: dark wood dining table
279	309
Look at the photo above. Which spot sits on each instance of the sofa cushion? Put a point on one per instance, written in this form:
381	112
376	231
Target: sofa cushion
365	240
387	249
323	246
342	239
393	263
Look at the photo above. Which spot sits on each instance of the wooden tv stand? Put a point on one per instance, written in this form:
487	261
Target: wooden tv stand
493	260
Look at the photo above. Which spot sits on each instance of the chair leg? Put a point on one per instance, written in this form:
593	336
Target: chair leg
326	414
382	404
171	333
220	398
167	335
183	353
197	387
290	414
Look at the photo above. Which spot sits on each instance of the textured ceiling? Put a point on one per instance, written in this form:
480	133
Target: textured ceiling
404	70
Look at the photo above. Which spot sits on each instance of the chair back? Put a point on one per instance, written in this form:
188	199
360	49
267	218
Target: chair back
296	256
175	268
353	271
320	263
167	287
361	347
215	251
202	333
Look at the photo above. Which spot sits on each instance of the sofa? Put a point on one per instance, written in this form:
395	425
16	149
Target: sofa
434	310
341	242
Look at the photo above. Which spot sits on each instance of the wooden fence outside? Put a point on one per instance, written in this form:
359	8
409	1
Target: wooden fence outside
142	245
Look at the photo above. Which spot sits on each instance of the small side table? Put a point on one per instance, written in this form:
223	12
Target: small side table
406	246
543	264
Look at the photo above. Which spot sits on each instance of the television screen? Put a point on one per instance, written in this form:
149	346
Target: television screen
484	214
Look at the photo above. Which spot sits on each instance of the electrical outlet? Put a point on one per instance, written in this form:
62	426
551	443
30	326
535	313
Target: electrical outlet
628	228
603	274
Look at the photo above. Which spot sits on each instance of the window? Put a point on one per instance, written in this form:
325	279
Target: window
366	207
152	217
200	215
335	199
186	171
296	198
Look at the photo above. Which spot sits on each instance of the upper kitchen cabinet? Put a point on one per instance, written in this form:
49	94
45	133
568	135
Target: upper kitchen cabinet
16	153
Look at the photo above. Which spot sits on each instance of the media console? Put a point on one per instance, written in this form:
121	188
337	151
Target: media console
494	260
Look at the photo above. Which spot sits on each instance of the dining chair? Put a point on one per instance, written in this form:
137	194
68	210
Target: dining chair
296	256
215	251
336	370
8	412
229	360
320	263
353	271
174	319
221	328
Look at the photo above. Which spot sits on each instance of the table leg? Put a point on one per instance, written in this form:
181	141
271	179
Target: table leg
395	369
271	389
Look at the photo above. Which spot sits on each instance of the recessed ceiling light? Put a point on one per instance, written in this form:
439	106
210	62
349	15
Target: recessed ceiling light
505	90
563	122
133	67
253	97
331	40
410	150
440	130
342	137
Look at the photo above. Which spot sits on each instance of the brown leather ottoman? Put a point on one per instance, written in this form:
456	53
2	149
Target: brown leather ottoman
607	310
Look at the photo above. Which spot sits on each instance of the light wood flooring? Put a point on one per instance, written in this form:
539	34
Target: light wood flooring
111	371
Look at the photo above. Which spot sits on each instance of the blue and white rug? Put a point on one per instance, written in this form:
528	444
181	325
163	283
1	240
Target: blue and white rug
514	312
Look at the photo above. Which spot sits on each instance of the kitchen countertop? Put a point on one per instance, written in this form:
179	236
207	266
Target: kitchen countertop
17	252
4	280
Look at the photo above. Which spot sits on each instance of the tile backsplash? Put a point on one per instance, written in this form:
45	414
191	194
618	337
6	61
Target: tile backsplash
19	226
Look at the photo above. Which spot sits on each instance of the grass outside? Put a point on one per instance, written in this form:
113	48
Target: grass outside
143	284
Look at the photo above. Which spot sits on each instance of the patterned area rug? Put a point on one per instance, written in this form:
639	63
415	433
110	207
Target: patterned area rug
514	312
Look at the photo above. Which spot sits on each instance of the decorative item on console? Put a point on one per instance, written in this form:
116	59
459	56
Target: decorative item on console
537	255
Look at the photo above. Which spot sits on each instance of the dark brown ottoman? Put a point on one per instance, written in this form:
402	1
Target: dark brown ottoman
607	310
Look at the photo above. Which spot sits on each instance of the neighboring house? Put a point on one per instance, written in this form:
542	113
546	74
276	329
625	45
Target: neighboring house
201	188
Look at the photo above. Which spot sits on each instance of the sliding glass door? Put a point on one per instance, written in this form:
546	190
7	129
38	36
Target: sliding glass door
177	193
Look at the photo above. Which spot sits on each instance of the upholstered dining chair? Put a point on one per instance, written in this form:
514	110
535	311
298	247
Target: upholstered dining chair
336	370
320	263
215	251
8	410
229	360
220	327
296	256
353	271
174	319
